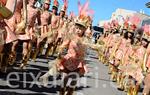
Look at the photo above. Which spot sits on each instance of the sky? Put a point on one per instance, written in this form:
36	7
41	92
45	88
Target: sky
103	8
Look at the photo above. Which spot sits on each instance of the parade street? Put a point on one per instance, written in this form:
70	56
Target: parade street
96	82
74	47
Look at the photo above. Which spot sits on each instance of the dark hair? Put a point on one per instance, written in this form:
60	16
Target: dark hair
122	32
125	35
116	31
146	41
132	34
132	37
54	7
105	34
140	31
63	12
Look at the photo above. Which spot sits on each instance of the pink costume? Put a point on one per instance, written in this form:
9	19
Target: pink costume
88	33
111	43
108	40
32	15
127	51
10	37
13	21
105	39
45	21
121	49
108	45
140	53
4	25
61	22
148	60
52	35
74	59
137	72
61	28
55	21
2	32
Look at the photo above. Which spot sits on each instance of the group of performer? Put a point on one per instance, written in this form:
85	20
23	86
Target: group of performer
22	21
33	26
125	50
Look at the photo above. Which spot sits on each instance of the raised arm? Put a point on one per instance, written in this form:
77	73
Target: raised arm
7	11
11	5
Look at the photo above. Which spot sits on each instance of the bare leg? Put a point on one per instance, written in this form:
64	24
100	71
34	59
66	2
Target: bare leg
41	46
14	46
70	89
136	89
1	48
35	50
25	49
48	50
64	84
1	55
146	89
26	53
52	72
5	58
12	55
56	45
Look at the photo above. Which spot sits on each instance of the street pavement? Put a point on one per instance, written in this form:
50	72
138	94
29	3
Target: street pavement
95	82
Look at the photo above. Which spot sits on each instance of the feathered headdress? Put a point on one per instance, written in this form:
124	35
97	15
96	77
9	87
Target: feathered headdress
7	11
126	23
65	5
135	20
3	2
71	15
84	14
107	26
47	2
114	23
146	33
55	4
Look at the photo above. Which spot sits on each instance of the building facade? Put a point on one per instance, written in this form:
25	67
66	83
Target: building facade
119	14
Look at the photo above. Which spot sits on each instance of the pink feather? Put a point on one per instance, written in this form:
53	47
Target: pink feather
65	3
106	26
91	12
56	3
116	23
146	29
85	8
126	21
72	14
79	7
135	20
